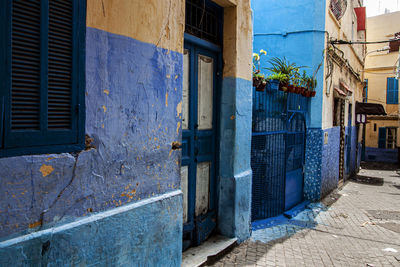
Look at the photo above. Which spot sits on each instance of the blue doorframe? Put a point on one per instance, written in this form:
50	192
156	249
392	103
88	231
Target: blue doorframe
201	145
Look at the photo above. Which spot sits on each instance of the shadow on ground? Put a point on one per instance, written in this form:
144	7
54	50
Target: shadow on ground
379	166
277	229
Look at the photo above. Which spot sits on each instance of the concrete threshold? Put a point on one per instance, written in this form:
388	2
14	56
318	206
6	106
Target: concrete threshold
215	246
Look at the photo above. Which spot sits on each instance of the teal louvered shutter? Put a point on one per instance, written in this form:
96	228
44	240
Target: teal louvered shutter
392	91
382	137
43	105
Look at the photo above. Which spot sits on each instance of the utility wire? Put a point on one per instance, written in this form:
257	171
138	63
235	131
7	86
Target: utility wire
360	42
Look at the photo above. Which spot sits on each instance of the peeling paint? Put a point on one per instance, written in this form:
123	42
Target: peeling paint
166	99
107	92
178	127
104	108
179	109
46	170
35	224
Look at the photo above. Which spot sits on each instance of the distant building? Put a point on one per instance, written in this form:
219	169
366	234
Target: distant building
382	134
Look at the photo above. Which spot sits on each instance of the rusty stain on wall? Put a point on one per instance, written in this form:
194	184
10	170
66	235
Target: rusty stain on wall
46	170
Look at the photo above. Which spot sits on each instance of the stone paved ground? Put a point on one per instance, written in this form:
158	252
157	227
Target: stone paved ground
362	228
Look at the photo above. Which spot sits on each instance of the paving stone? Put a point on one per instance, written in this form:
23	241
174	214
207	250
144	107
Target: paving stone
353	231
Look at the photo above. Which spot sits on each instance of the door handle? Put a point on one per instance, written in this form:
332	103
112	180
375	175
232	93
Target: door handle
196	126
196	151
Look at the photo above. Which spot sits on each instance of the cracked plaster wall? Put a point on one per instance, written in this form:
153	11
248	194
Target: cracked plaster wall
133	110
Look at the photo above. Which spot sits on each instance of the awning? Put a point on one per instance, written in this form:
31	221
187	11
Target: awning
370	109
345	86
339	93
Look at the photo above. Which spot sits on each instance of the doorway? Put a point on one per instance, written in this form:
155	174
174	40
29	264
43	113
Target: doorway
199	143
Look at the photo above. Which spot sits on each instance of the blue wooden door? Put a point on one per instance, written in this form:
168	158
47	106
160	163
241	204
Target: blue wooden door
382	137
295	148
199	131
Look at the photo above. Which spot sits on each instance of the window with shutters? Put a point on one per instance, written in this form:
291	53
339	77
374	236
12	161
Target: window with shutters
392	91
42	76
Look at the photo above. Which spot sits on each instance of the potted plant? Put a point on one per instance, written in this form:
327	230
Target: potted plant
296	80
274	80
287	68
259	81
311	84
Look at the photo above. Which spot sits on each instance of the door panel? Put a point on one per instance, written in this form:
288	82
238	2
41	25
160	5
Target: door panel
185	91
202	187
205	92
184	187
199	143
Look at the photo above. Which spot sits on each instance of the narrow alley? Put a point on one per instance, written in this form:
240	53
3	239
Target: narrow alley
356	226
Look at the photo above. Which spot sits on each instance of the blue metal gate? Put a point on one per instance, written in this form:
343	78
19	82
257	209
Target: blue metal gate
277	152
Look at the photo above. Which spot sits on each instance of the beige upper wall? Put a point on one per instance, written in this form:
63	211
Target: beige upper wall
162	22
381	28
381	65
238	40
159	22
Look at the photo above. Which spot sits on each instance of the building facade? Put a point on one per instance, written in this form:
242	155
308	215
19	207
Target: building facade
381	138
344	65
303	34
107	129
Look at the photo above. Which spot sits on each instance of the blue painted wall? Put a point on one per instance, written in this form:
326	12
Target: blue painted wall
330	161
381	155
133	94
234	214
119	237
295	30
313	164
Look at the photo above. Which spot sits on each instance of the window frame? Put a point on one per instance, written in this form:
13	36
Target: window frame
395	89
43	141
394	140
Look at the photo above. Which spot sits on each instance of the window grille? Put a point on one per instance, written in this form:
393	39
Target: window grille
204	20
338	8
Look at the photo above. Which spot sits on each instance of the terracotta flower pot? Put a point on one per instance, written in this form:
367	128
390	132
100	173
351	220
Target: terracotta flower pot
283	87
261	87
313	93
298	90
256	82
291	88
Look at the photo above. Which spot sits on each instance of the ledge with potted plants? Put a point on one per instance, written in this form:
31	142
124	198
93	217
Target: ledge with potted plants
284	76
